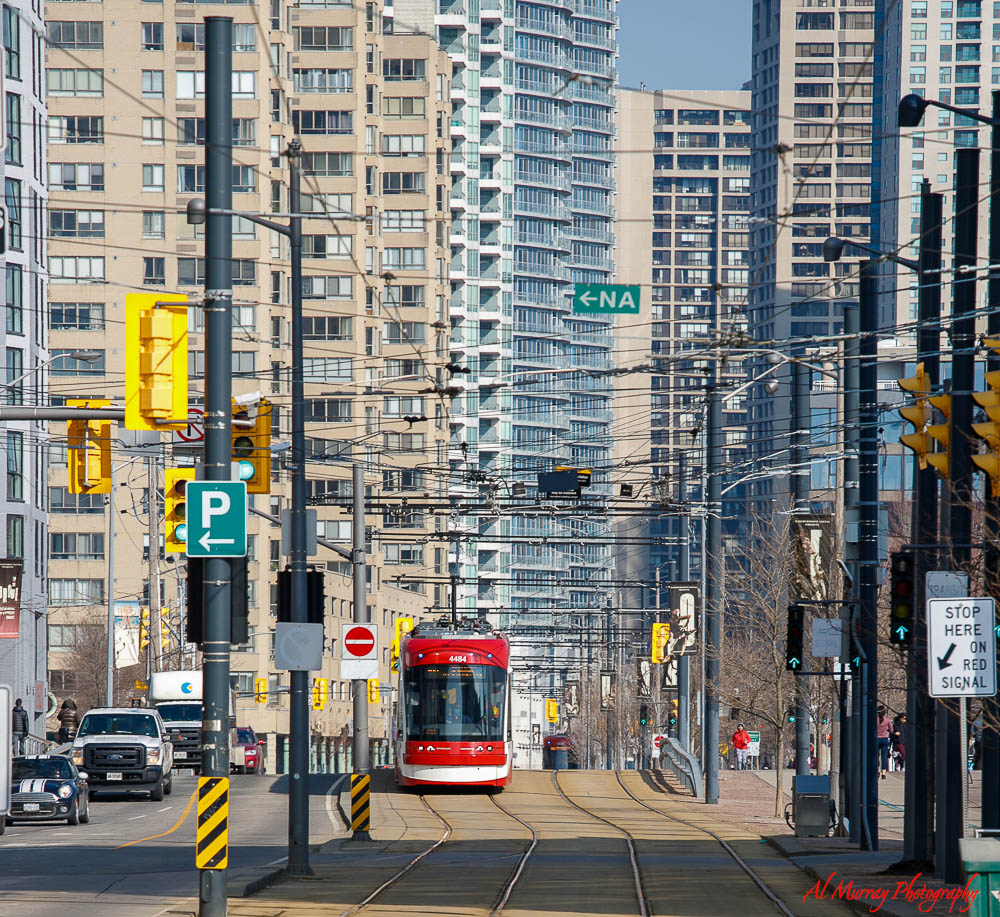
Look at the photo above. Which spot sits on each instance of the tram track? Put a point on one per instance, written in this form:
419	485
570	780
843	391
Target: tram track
754	877
508	886
640	890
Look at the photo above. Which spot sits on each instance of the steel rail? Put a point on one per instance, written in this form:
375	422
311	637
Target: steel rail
757	880
512	881
640	892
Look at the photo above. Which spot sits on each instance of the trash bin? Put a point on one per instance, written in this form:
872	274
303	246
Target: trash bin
981	858
811	805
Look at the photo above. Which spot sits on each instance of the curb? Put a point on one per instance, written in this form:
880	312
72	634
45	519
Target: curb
789	848
260	883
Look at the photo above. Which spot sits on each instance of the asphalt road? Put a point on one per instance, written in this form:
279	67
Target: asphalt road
116	866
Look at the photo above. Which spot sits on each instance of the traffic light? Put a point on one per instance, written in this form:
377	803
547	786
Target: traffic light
88	443
674	705
316	597
941	433
794	645
401	627
901	601
320	691
918	414
156	361
175	508
661	637
238	601
373	694
143	629
165	628
552	711
643	714
791	714
252	446
989	401
260	690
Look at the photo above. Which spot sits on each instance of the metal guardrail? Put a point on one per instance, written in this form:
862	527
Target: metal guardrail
684	765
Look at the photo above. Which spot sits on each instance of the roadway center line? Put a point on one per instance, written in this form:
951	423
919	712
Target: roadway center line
136	817
180	821
165	809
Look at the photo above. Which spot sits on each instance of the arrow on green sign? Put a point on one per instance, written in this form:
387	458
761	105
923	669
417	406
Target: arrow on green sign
606	299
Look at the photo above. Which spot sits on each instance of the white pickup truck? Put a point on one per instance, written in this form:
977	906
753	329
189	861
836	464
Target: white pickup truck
177	696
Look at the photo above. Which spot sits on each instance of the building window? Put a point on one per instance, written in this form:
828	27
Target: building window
63	364
152	84
190	272
12	195
76	545
152	131
15	536
154	271
77	35
12	42
75	592
15	372
15	300
15	465
152	177
152	36
76	129
13	152
153	224
76	316
77	224
76	270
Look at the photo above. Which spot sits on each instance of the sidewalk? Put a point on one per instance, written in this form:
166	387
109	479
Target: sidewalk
747	798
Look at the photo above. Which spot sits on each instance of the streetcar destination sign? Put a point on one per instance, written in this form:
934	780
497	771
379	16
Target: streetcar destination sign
606	298
961	651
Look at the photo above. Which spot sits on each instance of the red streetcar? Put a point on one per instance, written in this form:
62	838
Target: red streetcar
454	710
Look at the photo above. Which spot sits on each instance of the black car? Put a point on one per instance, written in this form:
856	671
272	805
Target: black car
48	788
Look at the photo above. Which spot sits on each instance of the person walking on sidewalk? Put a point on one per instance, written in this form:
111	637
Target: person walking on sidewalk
882	727
898	736
741	742
19	727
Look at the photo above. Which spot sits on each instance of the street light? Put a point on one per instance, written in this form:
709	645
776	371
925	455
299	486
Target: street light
82	356
912	107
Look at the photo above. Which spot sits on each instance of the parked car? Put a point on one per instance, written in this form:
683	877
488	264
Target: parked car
47	788
253	751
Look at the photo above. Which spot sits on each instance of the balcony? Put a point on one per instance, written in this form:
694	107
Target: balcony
603	125
579	149
595	207
554	119
595	9
595	67
558	241
546	88
449	8
552	210
595	264
552	29
595	41
558	60
555	180
532	148
553	327
597	181
541	269
592	235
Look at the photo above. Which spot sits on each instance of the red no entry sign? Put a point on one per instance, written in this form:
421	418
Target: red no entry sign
359	642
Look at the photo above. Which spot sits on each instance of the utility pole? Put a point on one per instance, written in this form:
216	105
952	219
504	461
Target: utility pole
868	562
714	570
918	792
361	762
799	448
850	759
684	574
109	682
298	715
949	766
218	411
155	612
990	772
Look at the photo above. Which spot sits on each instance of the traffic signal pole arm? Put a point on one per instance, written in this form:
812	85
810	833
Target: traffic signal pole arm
336	548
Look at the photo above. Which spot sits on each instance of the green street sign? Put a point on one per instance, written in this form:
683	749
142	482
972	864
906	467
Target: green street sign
606	299
216	519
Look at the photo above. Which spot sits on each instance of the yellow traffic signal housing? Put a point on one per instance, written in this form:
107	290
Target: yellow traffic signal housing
320	686
552	711
175	508
661	637
260	690
156	361
252	446
89	448
941	433
402	627
143	629
989	461
918	414
373	694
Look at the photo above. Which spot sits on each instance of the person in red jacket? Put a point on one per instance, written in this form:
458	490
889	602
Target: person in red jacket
741	742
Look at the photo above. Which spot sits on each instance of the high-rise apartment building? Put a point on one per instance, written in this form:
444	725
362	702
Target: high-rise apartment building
23	501
683	174
532	210
811	165
126	154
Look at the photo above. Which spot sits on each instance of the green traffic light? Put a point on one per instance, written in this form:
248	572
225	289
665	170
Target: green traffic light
246	470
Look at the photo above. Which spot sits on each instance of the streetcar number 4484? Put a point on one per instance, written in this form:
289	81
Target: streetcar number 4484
458	658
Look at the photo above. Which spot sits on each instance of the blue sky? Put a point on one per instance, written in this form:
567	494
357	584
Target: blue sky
684	44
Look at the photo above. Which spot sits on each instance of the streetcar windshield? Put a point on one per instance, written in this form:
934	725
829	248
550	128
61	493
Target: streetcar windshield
455	703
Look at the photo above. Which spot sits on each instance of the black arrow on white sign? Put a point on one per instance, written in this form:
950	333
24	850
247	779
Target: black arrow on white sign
943	662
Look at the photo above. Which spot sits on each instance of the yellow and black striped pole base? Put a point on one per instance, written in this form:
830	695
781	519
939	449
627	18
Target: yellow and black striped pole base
361	796
212	844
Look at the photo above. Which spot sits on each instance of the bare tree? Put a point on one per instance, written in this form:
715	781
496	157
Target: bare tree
87	662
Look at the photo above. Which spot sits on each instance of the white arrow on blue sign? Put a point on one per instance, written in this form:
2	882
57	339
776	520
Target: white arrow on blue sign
216	519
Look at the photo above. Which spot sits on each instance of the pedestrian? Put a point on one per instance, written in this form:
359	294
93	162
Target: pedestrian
741	742
19	727
976	729
68	720
882	726
898	736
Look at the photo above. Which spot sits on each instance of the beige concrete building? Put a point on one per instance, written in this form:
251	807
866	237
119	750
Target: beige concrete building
125	156
683	176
